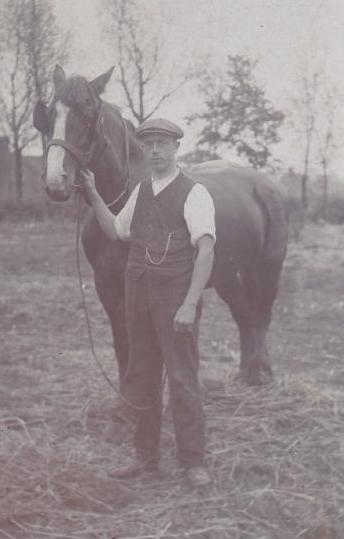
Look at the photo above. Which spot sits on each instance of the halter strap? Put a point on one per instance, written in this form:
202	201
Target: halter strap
85	158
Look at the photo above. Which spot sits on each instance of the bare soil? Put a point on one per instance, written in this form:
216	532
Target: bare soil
276	453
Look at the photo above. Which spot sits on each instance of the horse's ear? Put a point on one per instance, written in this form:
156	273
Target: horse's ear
98	84
59	77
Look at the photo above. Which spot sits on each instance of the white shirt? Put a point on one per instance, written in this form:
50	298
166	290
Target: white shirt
199	212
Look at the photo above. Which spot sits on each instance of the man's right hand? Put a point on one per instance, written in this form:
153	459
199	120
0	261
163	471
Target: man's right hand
103	215
88	184
87	181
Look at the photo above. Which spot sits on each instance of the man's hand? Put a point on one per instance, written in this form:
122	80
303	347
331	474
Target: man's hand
185	317
88	183
186	314
103	215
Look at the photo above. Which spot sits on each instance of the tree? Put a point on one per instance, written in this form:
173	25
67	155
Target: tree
141	72
314	111
16	89
44	43
44	46
237	114
326	133
29	45
306	108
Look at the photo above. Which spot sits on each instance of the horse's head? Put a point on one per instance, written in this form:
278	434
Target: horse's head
71	124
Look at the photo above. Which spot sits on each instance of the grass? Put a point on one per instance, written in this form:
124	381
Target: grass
276	454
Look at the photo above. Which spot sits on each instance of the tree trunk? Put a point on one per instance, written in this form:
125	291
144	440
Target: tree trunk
18	167
325	187
304	179
44	145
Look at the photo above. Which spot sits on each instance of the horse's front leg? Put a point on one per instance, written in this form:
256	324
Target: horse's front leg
108	260
111	295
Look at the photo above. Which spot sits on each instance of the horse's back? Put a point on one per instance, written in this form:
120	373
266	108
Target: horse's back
249	210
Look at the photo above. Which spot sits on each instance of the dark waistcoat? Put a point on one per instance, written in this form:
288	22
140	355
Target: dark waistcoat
160	240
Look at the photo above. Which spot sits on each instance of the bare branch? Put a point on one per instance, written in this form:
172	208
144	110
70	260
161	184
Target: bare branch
139	59
124	84
166	96
29	44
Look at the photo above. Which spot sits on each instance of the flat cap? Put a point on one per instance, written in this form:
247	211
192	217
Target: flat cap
159	126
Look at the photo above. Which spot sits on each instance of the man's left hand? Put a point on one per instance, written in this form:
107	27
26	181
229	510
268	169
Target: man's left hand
185	317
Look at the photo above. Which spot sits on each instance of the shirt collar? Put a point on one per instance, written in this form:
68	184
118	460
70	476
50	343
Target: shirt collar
167	178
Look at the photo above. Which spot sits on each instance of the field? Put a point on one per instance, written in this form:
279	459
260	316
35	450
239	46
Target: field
276	453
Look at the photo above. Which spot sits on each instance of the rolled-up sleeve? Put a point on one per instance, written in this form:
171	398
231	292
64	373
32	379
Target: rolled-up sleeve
122	221
199	213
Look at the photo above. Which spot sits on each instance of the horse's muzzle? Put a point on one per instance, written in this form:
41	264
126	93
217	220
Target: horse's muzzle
57	195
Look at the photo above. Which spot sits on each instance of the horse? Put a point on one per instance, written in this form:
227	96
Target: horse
84	131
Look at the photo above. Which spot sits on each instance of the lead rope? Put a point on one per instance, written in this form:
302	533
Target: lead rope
89	331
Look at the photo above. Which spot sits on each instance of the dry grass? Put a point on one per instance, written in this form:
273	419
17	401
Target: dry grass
276	456
276	453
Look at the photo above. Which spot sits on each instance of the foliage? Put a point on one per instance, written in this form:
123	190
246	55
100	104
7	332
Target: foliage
237	114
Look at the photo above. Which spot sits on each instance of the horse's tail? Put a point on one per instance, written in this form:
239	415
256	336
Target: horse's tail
272	206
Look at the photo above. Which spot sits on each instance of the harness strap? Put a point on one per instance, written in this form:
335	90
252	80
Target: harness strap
82	157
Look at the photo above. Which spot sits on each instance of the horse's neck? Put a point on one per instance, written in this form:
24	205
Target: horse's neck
114	173
138	167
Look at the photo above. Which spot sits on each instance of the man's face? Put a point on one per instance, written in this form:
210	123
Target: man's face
160	151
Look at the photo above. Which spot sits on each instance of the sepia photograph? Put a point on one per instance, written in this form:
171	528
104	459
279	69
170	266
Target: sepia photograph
171	269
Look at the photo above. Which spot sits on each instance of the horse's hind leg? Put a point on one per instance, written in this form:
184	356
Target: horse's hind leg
250	296
235	295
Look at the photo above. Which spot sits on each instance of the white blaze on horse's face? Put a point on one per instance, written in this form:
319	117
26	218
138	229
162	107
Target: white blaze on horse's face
56	173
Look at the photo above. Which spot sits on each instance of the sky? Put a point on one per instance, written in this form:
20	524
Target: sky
283	35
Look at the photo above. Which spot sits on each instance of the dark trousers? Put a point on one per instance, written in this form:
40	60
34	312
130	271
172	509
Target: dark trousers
150	309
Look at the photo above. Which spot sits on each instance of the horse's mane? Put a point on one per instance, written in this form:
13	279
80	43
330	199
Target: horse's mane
117	110
78	93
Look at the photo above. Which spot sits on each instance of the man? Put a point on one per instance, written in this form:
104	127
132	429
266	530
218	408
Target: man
169	220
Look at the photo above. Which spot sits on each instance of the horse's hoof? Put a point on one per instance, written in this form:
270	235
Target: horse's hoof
256	375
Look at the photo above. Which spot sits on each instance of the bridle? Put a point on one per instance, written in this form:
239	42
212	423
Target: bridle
85	158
